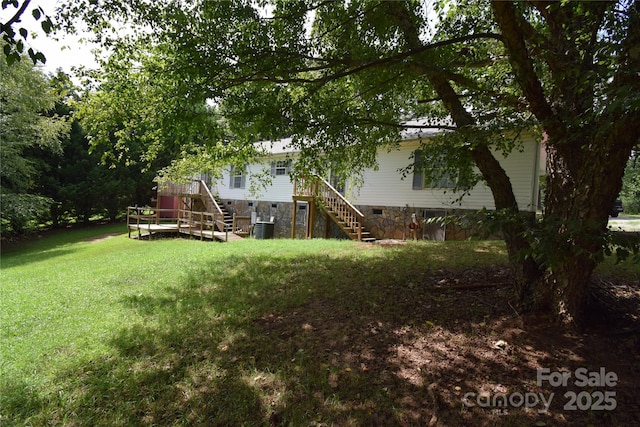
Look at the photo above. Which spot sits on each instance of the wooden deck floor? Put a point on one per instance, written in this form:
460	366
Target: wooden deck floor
148	230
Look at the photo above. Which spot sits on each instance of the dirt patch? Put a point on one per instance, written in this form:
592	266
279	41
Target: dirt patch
453	357
102	238
391	242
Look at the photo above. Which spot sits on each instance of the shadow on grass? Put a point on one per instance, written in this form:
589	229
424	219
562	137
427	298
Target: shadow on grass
16	261
317	340
54	243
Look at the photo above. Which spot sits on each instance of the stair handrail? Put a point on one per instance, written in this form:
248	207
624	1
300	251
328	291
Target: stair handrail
207	197
343	208
301	188
340	196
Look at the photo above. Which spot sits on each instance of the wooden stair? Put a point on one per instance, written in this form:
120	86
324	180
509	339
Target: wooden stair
228	218
365	235
335	206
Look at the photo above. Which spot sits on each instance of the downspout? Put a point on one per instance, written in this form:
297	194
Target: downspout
535	191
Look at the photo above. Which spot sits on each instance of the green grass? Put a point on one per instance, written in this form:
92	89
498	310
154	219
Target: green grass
173	331
86	321
627	224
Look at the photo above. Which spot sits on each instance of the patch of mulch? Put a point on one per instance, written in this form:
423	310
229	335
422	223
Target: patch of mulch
457	353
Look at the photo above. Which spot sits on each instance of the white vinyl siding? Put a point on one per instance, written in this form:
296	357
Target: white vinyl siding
280	190
385	186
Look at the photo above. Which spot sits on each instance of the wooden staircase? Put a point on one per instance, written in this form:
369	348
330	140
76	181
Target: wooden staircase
198	207
240	225
227	218
334	205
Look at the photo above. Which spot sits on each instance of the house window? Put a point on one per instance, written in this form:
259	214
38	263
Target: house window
338	182
238	177
440	179
280	167
438	176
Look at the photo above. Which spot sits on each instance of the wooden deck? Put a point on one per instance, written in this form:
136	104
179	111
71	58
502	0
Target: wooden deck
148	230
147	222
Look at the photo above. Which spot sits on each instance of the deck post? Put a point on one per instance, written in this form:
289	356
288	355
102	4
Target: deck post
311	219
157	208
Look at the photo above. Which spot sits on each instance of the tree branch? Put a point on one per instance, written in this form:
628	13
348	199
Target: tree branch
523	67
16	17
350	66
490	168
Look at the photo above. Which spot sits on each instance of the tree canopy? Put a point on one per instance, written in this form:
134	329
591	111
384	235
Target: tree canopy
25	99
136	116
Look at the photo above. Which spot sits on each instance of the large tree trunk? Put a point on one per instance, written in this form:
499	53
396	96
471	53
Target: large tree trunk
583	180
588	144
526	270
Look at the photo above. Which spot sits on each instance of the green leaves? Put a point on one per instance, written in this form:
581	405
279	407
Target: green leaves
26	101
143	115
630	193
15	43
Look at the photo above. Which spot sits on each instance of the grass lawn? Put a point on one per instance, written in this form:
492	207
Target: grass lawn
628	223
99	329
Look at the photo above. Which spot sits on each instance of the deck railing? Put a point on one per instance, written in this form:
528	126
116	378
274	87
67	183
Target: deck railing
241	225
172	189
191	221
149	220
211	204
197	187
305	186
331	199
145	218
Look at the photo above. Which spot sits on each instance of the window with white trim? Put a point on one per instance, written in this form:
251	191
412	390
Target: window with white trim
237	177
281	167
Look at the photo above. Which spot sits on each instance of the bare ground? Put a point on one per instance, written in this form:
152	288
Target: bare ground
454	354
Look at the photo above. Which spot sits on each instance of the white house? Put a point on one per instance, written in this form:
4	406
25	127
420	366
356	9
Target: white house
385	200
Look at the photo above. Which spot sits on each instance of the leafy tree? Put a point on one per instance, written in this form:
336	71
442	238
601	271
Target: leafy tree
577	67
74	178
630	193
143	122
350	75
25	98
